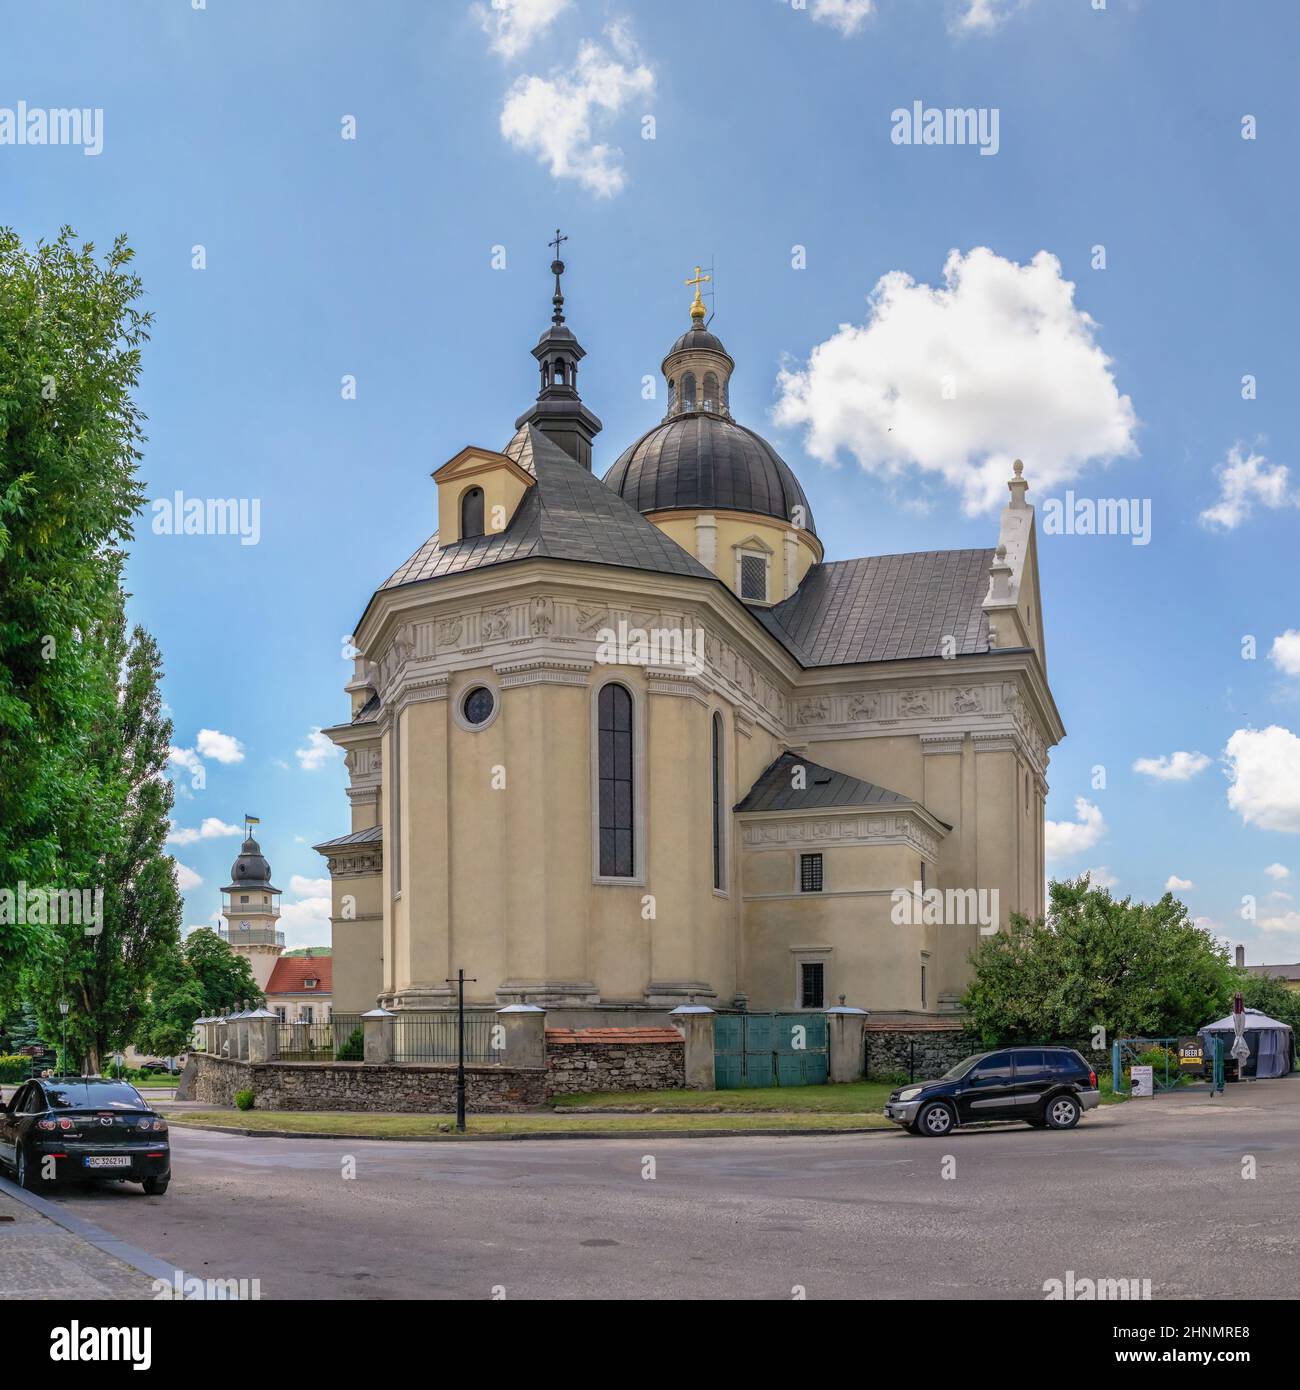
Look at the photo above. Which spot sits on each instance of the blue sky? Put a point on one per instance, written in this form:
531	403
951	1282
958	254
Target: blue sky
373	257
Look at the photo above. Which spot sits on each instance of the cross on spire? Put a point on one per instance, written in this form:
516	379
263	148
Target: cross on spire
557	269
697	304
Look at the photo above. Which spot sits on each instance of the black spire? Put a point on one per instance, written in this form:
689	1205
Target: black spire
559	412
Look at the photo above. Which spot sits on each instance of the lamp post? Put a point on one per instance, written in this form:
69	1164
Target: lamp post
460	983
64	1006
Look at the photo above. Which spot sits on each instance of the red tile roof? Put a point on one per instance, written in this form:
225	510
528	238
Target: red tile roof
291	971
618	1036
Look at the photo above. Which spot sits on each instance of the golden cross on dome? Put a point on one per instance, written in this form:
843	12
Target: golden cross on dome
697	304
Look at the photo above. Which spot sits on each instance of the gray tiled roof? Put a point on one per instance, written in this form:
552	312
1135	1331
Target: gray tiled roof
700	460
885	608
569	514
774	790
373	836
368	713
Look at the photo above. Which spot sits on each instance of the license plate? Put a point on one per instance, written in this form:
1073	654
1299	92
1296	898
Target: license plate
124	1161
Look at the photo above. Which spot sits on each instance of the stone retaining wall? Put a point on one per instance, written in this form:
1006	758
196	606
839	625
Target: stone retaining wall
890	1051
643	1059
408	1086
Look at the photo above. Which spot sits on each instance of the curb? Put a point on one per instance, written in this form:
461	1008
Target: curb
541	1134
94	1235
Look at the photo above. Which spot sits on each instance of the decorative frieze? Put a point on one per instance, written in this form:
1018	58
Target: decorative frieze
767	831
363	862
542	671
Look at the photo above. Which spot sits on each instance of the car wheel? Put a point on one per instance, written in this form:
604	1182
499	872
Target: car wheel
155	1187
1062	1112
934	1120
28	1178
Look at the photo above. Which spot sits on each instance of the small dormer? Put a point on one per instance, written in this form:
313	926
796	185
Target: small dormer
478	492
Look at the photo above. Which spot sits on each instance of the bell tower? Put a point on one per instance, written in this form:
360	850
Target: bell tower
250	903
559	412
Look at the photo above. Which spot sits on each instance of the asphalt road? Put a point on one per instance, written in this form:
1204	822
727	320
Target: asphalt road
1149	1190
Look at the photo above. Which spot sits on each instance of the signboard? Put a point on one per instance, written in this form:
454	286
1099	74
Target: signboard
1143	1081
1191	1057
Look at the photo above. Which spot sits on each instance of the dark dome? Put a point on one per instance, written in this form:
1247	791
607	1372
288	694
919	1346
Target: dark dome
698	338
250	870
701	460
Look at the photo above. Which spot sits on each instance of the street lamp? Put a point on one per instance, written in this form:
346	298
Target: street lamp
64	1006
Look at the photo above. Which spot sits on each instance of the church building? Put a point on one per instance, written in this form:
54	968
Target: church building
619	743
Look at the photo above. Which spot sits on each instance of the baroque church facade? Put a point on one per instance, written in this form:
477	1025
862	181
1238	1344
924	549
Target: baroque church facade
626	742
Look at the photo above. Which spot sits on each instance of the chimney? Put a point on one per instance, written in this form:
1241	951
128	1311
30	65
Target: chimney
1241	955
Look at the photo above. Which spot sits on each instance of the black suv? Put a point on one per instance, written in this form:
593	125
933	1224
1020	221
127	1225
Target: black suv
75	1128
1050	1087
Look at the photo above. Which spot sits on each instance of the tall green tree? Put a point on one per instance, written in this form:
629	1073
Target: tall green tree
175	1001
70	436
226	978
107	973
1135	969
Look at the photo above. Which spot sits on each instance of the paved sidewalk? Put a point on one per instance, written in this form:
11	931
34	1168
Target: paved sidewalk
40	1258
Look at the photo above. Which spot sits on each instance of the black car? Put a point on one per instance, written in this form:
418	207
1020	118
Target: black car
80	1128
1049	1087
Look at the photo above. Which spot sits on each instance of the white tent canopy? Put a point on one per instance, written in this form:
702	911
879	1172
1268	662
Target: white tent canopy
1270	1043
1254	1019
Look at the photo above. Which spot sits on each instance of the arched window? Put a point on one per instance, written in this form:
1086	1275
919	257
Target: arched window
559	372
471	513
616	790
711	401
719	867
688	391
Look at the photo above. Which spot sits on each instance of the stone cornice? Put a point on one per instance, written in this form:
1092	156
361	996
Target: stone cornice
847	825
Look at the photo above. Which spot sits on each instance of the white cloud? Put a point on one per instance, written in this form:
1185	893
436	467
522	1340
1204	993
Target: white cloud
1281	896
212	828
1278	871
1173	767
1285	652
1101	877
512	25
557	118
309	887
1062	838
1029	380
316	752
221	748
984	16
1174	884
848	16
1245	479
308	920
1287	923
1264	777
186	878
186	758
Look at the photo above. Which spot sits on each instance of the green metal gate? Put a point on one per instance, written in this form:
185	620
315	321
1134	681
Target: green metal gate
769	1050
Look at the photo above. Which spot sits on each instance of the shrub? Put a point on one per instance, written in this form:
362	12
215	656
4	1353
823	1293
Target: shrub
353	1048
14	1066
244	1099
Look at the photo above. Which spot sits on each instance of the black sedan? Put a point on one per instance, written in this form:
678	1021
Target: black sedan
84	1128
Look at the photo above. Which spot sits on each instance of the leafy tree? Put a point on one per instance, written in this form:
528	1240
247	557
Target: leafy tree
175	1001
1270	996
116	841
1136	969
70	436
225	977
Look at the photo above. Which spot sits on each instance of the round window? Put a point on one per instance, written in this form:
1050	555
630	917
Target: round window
478	705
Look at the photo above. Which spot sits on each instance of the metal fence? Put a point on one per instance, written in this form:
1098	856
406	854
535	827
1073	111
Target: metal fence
432	1037
330	1041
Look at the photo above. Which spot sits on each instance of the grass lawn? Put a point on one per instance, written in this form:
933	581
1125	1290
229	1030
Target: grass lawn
443	1126
856	1097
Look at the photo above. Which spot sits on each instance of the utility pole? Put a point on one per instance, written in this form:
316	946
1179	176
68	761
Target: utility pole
460	983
